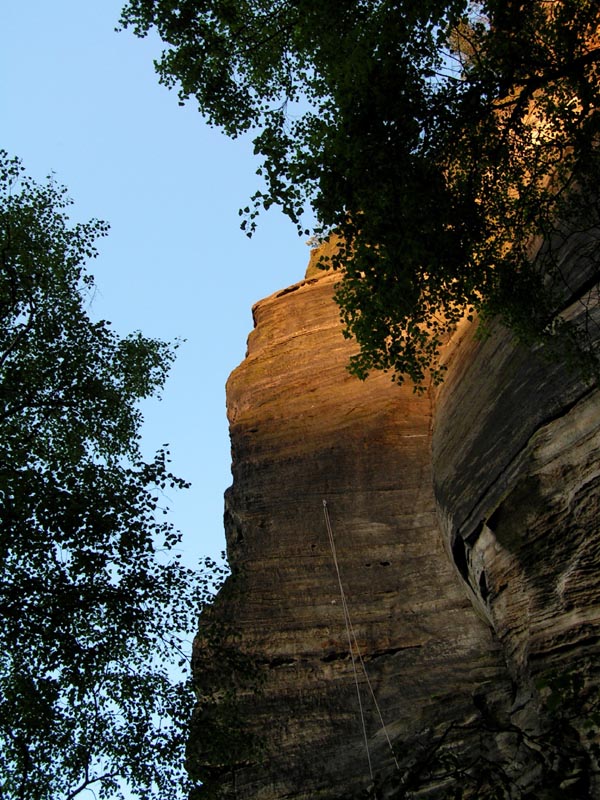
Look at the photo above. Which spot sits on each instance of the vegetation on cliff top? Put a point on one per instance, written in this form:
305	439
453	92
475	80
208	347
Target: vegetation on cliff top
447	141
93	600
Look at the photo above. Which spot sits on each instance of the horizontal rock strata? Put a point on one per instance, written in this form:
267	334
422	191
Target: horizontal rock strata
302	431
466	527
516	463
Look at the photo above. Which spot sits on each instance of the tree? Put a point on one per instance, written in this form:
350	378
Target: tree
446	141
93	600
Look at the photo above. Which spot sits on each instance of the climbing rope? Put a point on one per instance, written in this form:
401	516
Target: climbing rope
353	644
349	632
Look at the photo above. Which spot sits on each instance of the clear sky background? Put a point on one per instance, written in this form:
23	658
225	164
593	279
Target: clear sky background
83	101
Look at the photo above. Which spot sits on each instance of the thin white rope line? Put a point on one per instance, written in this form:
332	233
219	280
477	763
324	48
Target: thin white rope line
366	674
351	628
348	628
356	681
370	685
347	621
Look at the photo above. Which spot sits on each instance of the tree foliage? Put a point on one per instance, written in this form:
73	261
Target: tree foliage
93	600
445	140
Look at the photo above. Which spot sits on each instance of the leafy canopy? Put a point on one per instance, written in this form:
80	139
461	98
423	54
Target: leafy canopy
93	600
445	141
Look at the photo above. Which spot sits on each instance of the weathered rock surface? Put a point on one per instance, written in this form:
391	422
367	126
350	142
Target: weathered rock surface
470	578
516	464
303	430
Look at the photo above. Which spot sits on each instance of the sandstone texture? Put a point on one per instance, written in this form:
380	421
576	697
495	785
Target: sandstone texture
466	530
516	464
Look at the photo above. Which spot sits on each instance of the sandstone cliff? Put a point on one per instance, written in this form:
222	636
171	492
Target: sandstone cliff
466	530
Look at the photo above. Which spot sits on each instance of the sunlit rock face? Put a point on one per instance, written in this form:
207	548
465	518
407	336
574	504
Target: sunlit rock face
302	431
467	528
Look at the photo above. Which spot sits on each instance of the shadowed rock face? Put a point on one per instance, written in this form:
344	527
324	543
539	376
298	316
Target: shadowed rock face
465	584
516	464
518	478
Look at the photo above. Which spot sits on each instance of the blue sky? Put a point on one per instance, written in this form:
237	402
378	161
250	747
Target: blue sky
83	101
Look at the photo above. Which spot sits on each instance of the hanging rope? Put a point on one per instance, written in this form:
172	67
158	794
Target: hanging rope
348	632
352	644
